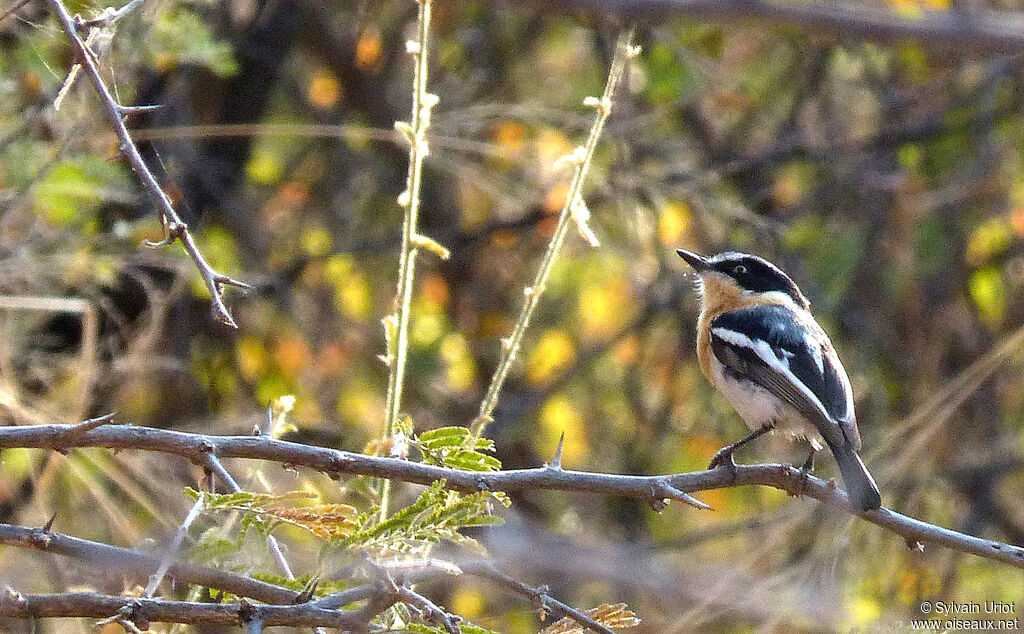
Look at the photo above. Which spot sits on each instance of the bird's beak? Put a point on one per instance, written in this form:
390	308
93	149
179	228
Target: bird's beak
698	262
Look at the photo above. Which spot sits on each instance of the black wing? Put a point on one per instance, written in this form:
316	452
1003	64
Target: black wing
794	360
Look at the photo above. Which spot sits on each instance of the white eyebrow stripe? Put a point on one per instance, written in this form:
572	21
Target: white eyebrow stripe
766	354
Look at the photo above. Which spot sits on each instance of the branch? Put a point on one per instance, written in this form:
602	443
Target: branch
951	31
430	568
142	611
139	565
654	489
573	210
176	229
13	8
540	595
172	549
432	613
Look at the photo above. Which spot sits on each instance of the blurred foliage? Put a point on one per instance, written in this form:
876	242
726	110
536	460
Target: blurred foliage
885	179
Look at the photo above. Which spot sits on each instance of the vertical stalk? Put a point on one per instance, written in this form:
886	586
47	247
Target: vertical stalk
396	325
574	209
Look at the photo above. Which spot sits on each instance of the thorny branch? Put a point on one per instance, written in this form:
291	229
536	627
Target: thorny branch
319	613
141	612
176	229
573	210
483	569
654	489
541	596
396	325
138	566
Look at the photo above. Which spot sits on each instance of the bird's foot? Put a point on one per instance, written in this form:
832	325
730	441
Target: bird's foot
805	472
723	458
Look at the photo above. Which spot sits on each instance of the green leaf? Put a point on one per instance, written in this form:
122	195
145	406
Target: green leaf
437	514
73	188
471	461
989	294
182	37
443	437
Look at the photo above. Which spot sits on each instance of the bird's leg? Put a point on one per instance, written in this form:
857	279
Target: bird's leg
808	466
724	456
807	469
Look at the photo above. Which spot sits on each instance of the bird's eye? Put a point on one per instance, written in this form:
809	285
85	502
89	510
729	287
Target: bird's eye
739	269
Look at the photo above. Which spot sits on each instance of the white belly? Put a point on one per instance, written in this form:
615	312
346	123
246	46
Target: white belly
759	407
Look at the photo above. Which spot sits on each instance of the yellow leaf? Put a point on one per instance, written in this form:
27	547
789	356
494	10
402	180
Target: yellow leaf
552	354
316	241
550	146
555	199
461	371
673	222
431	245
468	602
989	294
604	305
324	90
368	49
989	238
263	167
864	611
559	415
509	136
251	356
292	354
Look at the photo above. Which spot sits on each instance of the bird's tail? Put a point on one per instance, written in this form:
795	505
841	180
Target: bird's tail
860	486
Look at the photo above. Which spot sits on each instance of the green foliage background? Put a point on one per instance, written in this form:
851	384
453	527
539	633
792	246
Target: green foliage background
885	179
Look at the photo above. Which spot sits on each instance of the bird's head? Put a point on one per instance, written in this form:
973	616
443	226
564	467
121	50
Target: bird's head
739	277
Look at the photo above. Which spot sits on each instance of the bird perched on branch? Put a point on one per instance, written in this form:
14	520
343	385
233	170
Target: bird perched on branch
761	348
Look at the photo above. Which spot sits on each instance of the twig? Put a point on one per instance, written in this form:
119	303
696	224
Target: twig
430	568
432	612
540	595
111	15
80	428
174	546
143	611
13	9
334	462
396	325
139	565
217	467
176	229
574	210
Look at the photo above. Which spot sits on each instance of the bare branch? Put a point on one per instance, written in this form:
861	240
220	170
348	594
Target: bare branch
432	612
13	8
172	549
573	210
539	595
951	31
140	612
176	229
651	488
138	565
430	568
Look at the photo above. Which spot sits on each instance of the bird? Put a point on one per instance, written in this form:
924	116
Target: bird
760	346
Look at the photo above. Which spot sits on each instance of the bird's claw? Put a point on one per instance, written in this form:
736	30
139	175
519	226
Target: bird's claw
723	458
805	471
